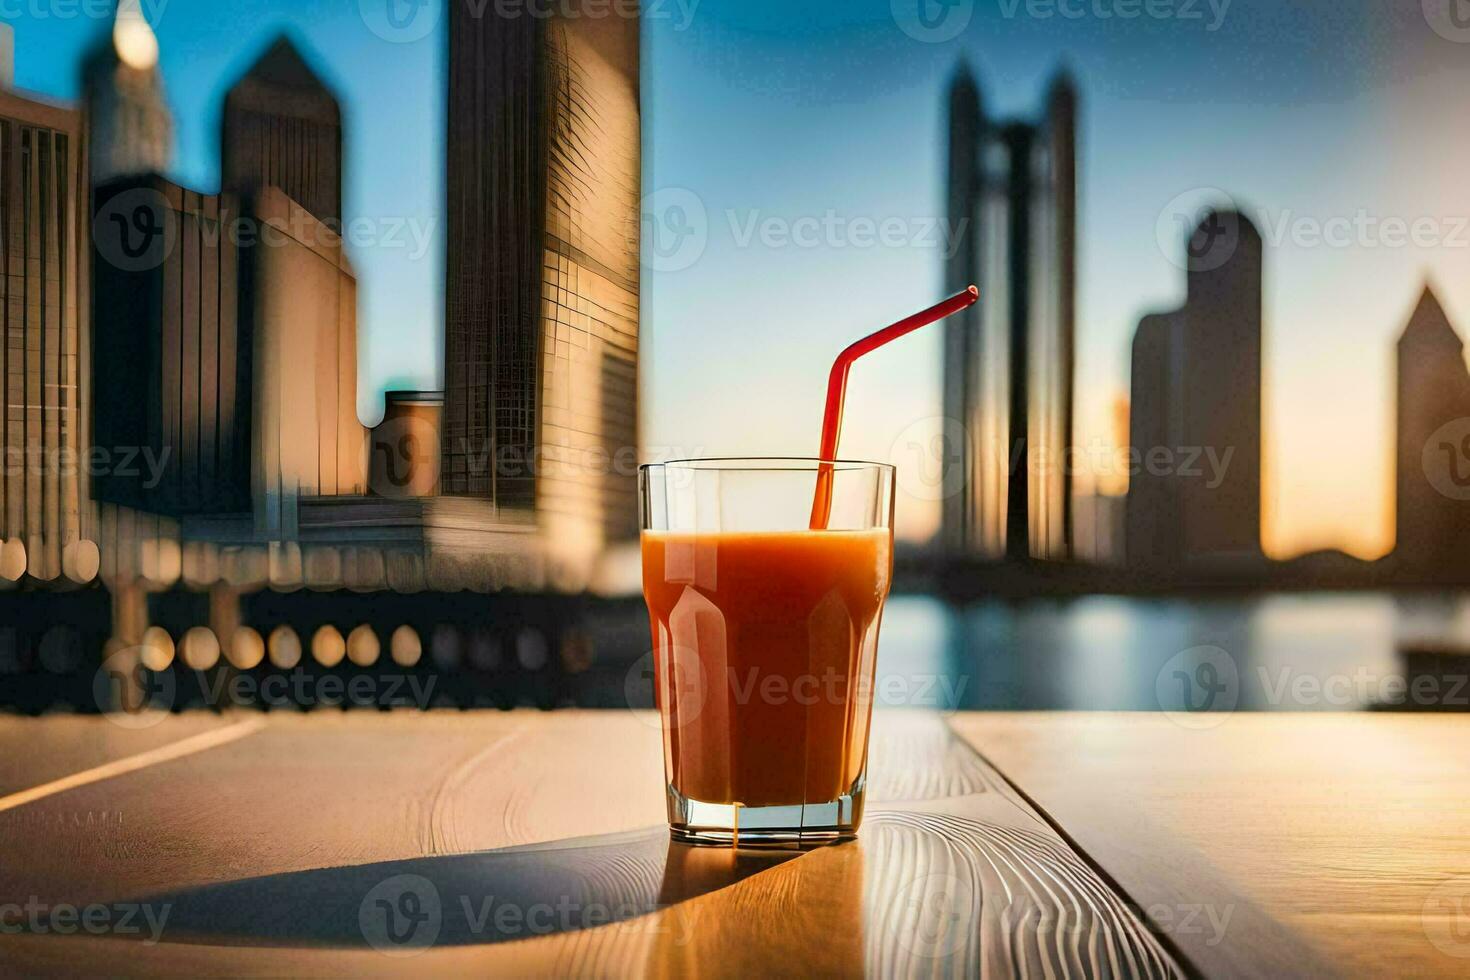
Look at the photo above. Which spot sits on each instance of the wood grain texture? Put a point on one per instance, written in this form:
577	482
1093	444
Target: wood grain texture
534	844
1318	842
41	751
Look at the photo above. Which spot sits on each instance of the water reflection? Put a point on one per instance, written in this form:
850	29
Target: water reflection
1288	652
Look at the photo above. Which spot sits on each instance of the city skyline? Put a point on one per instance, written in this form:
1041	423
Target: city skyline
1247	116
1327	482
1008	360
1196	389
213	338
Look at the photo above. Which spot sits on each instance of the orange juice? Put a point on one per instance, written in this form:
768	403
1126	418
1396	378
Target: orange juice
764	650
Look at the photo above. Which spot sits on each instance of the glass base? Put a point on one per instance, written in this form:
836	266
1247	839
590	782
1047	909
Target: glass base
798	825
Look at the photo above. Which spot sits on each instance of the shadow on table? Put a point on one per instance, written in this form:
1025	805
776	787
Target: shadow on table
462	899
929	891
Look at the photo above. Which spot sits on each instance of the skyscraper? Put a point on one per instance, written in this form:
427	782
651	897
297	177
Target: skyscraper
233	357
44	515
1220	393
1008	360
1195	425
541	279
128	120
1153	505
282	127
964	529
301	296
1432	475
172	374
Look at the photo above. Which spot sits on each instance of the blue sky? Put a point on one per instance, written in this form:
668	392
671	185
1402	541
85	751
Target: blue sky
392	97
796	130
1299	113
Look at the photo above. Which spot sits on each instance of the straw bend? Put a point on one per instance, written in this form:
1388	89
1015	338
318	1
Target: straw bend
837	388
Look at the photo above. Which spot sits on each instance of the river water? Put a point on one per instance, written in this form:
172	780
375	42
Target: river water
1299	652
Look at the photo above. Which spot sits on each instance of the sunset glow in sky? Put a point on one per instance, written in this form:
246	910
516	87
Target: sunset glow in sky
802	149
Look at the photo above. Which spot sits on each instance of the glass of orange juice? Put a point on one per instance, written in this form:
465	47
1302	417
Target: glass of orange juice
765	637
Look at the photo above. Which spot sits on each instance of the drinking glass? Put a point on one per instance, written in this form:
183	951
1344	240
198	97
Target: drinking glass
765	637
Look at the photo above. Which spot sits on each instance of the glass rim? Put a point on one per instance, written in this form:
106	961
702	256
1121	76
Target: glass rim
756	464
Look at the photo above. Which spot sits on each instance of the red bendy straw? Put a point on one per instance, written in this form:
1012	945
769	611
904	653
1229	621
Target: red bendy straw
837	389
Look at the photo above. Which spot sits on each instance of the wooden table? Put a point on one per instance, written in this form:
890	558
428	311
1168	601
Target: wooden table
520	843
